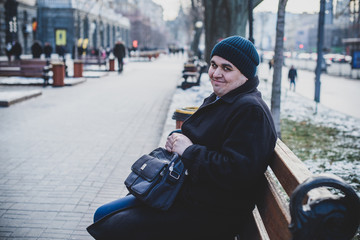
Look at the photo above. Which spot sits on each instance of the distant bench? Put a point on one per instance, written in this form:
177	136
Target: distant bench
93	60
146	55
192	74
326	214
26	68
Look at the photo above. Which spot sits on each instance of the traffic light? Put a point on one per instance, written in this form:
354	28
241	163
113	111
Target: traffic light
135	43
34	25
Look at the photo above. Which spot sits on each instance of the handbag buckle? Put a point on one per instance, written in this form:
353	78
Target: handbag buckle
172	173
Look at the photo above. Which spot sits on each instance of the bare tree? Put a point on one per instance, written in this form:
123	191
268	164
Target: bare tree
224	18
278	63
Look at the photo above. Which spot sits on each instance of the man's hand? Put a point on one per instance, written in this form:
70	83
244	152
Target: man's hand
177	143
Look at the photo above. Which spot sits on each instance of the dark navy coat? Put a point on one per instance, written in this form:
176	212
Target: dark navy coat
234	138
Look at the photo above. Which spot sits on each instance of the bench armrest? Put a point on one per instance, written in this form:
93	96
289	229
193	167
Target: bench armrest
325	218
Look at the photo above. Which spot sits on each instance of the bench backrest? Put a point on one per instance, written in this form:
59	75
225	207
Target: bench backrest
33	62
326	216
23	67
271	215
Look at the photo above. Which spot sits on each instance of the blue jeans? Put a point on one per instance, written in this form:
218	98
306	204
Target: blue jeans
122	203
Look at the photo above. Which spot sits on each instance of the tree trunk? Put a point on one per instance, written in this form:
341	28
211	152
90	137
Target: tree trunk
196	41
224	18
197	15
278	63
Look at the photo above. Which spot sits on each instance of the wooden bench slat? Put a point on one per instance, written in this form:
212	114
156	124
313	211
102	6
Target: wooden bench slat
11	63
274	211
288	168
10	68
10	73
262	233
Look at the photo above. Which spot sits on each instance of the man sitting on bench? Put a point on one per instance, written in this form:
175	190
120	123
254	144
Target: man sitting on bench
226	145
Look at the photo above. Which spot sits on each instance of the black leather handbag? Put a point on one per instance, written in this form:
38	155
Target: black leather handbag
156	178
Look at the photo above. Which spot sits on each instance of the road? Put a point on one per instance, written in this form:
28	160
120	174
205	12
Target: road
337	93
68	151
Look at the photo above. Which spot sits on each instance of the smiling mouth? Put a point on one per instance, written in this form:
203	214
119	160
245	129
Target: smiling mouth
217	81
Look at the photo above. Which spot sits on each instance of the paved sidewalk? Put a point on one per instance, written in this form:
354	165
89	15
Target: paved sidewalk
68	151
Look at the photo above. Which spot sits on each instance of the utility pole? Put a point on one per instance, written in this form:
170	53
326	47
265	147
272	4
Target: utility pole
320	43
250	11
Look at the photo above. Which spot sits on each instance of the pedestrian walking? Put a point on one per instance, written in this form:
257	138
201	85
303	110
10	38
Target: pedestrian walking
292	75
271	64
16	50
36	49
48	50
108	51
60	50
226	146
119	52
8	51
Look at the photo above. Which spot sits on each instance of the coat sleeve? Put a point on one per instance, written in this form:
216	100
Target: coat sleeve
248	143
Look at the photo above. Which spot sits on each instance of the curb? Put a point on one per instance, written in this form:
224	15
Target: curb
9	98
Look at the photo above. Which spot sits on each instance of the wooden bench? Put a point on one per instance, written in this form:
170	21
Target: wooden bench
280	204
93	60
279	213
191	74
145	55
26	68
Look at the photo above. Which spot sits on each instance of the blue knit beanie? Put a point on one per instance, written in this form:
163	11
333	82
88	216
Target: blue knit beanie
240	52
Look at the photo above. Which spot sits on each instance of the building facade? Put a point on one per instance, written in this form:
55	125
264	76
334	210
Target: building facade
16	23
147	26
301	30
73	24
69	24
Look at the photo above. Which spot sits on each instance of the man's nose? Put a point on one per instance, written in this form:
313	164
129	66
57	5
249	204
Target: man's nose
218	72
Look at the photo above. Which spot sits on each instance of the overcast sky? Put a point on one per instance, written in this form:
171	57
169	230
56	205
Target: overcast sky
171	7
295	6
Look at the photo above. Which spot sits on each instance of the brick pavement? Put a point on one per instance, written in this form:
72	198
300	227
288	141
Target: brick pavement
66	152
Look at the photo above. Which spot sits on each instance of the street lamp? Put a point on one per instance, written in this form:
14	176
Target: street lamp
11	20
26	29
199	24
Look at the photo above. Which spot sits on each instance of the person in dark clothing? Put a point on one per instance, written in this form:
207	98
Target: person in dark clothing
48	50
8	51
36	49
60	50
271	64
16	50
119	52
226	145
291	76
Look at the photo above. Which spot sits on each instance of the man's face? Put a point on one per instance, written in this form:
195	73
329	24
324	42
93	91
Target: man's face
224	76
